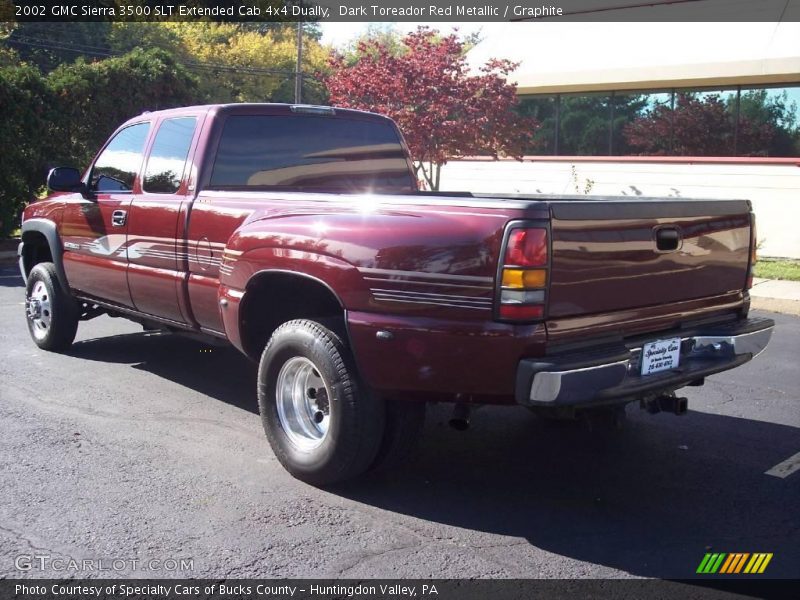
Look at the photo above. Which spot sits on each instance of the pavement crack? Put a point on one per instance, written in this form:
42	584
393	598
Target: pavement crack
22	537
378	554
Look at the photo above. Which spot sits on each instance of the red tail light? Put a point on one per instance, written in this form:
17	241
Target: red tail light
523	275
527	248
521	312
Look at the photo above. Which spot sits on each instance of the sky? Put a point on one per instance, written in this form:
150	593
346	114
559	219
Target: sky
339	34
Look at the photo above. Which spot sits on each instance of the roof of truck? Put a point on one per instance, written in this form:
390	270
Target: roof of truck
253	107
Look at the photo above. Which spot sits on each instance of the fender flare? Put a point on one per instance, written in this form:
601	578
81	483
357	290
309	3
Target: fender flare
50	232
299	274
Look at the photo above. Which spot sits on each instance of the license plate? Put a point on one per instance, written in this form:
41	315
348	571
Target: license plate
661	355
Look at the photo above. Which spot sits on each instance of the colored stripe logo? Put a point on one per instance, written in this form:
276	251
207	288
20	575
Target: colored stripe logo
734	563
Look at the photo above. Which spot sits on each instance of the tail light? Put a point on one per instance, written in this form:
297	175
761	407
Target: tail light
523	275
753	251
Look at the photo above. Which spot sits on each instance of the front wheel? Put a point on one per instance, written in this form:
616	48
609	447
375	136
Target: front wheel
323	428
52	314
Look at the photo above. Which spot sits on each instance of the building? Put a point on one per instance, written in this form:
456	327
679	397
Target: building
655	109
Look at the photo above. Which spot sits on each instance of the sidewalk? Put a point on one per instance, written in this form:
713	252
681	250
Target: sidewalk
776	296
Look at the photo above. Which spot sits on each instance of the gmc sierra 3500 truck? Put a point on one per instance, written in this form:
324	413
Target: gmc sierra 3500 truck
298	235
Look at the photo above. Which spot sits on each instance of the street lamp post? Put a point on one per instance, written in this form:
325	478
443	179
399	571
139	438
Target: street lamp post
298	73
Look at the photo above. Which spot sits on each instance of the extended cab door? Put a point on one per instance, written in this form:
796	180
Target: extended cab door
156	226
94	230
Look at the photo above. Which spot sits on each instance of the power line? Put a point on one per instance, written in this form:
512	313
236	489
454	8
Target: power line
195	66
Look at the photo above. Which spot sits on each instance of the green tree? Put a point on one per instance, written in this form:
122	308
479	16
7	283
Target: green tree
25	136
94	98
48	45
64	117
234	62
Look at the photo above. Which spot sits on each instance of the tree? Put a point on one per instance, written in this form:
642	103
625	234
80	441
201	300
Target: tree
48	45
64	117
696	126
443	111
235	62
25	137
91	104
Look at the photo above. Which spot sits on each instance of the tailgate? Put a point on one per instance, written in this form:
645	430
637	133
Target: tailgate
611	254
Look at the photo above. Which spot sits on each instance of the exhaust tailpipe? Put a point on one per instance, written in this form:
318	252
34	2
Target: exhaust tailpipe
459	420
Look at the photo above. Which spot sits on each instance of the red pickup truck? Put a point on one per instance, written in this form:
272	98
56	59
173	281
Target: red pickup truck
298	235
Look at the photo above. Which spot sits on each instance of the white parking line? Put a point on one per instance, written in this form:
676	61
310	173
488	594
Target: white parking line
785	468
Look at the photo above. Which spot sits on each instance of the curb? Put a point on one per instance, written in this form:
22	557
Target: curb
8	257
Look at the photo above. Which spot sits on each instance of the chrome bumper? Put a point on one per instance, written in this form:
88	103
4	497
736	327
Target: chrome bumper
615	373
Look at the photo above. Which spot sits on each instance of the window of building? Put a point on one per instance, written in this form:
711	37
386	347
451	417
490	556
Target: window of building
740	121
631	111
119	162
543	109
584	124
769	122
168	156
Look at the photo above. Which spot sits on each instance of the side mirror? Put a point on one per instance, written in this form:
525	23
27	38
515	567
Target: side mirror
65	179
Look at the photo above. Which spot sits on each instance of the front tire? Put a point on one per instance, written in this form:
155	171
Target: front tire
52	314
323	428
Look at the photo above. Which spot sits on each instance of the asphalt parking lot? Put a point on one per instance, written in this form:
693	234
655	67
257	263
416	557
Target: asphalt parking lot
148	448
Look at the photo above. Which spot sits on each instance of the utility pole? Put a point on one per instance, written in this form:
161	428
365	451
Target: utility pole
298	73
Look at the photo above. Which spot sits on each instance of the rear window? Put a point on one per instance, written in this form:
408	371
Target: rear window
308	153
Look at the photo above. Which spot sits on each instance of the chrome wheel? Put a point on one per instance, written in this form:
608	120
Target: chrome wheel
39	310
303	402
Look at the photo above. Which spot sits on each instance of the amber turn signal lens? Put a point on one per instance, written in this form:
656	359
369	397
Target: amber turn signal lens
524	279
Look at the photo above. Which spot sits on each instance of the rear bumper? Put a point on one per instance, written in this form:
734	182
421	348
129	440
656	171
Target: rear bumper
607	374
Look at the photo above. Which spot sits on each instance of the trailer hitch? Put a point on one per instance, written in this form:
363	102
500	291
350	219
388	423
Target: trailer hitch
677	405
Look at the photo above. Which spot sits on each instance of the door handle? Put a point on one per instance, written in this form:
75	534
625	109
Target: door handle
118	218
668	239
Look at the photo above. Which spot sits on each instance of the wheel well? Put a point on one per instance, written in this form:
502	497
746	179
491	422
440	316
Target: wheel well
35	250
271	299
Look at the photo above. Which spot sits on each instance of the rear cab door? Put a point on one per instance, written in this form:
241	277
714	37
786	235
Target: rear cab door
157	253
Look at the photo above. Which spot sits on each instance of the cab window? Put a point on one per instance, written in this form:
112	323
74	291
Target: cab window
116	167
168	156
311	153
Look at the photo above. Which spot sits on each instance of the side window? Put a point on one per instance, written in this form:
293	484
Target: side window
168	156
116	167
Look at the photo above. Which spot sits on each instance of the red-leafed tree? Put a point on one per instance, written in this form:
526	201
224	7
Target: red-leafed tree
697	126
443	111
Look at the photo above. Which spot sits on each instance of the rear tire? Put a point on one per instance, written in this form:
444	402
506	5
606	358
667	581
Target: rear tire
52	314
323	428
404	424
